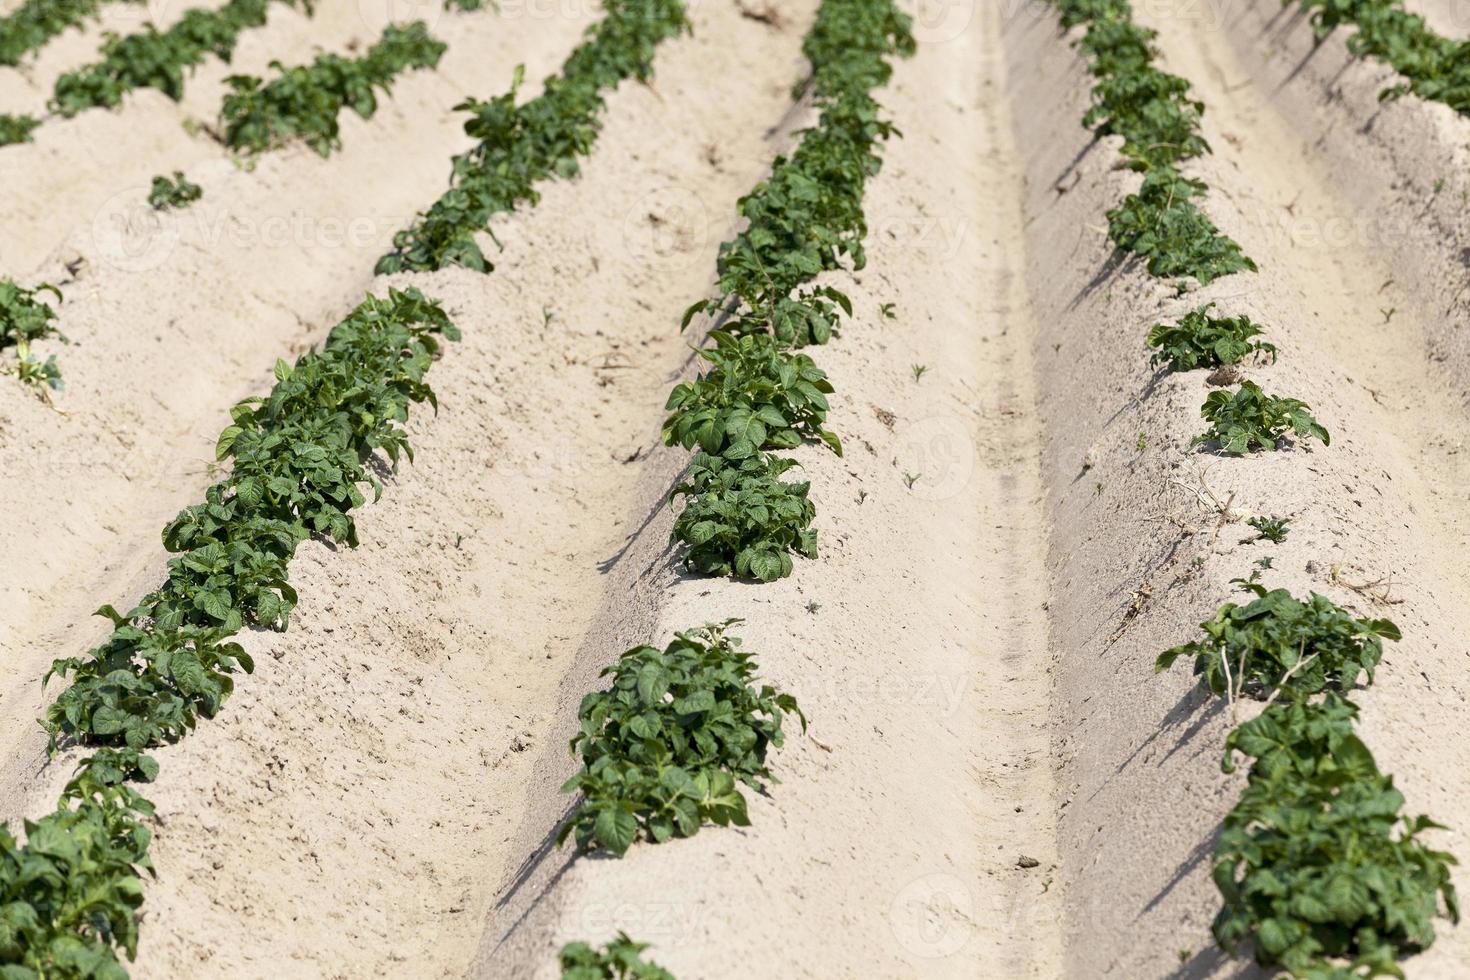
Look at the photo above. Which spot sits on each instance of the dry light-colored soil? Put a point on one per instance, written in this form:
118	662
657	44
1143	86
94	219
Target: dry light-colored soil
995	783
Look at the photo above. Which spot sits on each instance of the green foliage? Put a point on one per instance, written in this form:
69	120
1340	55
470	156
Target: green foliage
806	218
1159	125
1202	340
1273	529
71	893
1315	863
158	59
1162	224
35	22
300	456
24	319
69	897
179	192
303	102
755	396
1434	67
1250	419
522	145
16	128
1278	642
620	959
664	746
742	519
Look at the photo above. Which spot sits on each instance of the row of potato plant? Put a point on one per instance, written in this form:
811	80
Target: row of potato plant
1434	67
33	23
70	893
761	393
1315	864
303	102
665	747
521	145
300	458
148	58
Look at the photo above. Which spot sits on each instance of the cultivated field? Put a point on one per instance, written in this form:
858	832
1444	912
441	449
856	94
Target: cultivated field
821	488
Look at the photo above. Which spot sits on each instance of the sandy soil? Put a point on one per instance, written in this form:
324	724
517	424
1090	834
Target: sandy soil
975	651
174	318
1139	551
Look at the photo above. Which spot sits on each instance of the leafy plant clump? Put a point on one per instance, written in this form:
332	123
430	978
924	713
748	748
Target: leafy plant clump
620	959
1434	66
756	396
1277	642
24	319
303	102
159	59
1273	529
179	192
806	218
742	518
35	22
1202	340
522	145
1249	419
16	128
664	747
69	896
1159	124
1162	224
1315	863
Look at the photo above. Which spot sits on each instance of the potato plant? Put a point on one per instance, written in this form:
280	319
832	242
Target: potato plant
1249	419
755	396
16	128
158	59
1278	642
665	746
1433	66
69	896
1200	339
35	22
620	959
1316	864
521	145
1159	124
742	519
304	102
172	193
25	317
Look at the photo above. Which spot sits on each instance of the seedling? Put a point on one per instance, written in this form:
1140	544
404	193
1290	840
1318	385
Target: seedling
919	370
812	606
1273	529
909	479
176	193
621	959
25	318
16	129
888	311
